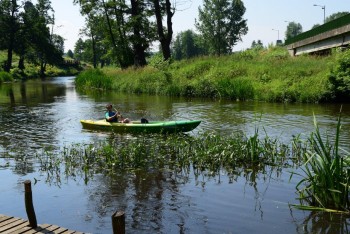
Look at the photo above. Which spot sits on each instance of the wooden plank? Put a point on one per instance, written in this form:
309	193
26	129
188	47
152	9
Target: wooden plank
50	228
32	230
4	218
7	222
69	232
22	230
12	225
59	230
17	228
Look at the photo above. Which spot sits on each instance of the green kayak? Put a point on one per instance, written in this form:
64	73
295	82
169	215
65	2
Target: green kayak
138	127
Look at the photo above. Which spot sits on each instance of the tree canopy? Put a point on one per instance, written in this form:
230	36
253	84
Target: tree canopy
24	29
221	24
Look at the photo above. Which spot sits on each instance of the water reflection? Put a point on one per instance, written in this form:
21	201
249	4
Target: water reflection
323	222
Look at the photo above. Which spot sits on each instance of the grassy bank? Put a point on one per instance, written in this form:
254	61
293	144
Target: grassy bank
266	75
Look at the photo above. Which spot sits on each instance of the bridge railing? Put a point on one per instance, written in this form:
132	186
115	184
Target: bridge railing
337	23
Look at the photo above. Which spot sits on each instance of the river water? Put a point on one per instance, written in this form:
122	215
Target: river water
44	115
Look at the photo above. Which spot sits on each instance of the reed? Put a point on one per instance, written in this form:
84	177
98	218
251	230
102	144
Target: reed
326	174
208	154
93	78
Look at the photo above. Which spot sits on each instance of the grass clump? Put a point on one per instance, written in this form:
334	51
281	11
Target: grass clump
326	174
93	78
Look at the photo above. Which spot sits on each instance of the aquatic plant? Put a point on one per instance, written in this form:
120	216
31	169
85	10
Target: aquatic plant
326	174
208	154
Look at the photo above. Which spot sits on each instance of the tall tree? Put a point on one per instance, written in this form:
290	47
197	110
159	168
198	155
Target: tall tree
9	27
221	23
293	29
164	34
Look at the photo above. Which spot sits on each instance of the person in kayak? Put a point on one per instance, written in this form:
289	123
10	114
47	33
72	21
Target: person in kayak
114	116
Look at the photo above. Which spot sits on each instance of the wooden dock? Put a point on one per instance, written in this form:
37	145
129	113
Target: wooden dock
18	225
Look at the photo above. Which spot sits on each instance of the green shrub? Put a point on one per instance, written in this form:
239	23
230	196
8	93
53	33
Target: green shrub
339	78
5	77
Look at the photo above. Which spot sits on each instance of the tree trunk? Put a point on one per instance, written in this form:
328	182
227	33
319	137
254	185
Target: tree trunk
139	51
94	57
11	39
165	39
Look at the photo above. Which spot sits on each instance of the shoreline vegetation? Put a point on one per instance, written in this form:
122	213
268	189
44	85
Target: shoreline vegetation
318	161
270	75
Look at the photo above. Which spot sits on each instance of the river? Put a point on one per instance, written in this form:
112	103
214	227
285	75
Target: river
39	115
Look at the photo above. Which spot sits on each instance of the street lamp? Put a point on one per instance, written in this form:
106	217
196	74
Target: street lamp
324	12
278	33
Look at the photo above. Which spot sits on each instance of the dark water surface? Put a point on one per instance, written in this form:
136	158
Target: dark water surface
38	115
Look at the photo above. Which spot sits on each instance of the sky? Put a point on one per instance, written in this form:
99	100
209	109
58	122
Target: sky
266	19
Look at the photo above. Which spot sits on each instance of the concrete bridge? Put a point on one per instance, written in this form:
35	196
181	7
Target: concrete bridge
322	39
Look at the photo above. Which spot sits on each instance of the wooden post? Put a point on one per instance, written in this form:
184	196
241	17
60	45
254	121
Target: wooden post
118	222
28	198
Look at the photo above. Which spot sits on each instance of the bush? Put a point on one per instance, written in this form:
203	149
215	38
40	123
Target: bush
339	78
5	77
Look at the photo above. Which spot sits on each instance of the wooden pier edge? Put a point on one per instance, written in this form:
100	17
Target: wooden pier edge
16	225
10	224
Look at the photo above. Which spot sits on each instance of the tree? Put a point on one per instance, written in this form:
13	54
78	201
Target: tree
79	49
187	45
221	24
165	35
257	45
293	29
70	54
336	16
9	27
332	17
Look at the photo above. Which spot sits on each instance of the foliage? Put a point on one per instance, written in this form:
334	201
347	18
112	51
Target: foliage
5	77
221	24
293	29
187	45
265	75
339	77
336	16
70	54
24	30
257	45
93	78
326	175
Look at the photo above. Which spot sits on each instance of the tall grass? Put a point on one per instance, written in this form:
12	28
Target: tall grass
326	174
93	78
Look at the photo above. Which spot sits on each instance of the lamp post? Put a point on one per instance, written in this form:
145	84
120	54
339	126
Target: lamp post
324	11
278	33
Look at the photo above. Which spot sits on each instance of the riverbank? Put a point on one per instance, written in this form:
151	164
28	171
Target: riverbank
68	68
270	75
